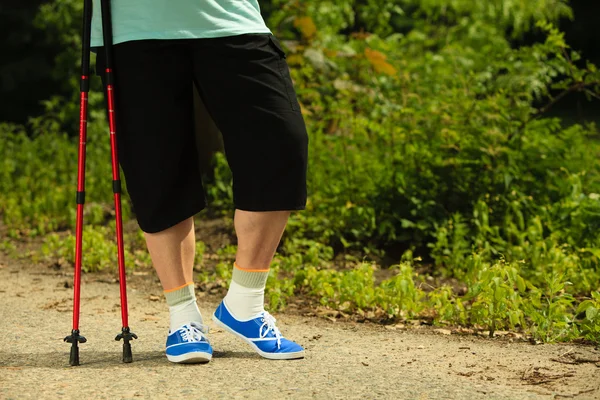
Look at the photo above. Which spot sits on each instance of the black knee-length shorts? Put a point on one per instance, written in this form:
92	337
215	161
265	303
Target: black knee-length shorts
245	84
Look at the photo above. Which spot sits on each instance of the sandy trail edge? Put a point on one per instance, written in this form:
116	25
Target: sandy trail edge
344	360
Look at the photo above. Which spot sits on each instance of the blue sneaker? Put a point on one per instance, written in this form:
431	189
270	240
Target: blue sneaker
259	332
189	344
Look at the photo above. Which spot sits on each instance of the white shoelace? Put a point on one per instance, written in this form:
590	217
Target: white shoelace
269	323
193	332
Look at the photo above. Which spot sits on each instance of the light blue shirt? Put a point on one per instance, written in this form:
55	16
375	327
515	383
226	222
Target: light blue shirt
178	19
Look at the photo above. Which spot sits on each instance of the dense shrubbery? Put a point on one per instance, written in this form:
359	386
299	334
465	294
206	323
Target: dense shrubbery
424	137
37	175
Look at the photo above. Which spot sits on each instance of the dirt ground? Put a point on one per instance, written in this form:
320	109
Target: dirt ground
344	360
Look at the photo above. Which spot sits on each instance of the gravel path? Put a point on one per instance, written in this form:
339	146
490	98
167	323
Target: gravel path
344	360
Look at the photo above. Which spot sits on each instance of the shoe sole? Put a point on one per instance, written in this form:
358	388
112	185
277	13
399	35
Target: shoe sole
194	357
270	356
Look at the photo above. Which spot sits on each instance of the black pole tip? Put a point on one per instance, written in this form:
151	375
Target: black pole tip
127	355
127	336
74	356
74	338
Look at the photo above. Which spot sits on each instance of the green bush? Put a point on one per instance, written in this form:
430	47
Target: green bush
99	250
590	325
38	179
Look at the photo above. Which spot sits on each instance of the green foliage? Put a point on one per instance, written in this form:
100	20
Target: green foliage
279	290
38	179
8	247
454	128
62	22
99	250
219	190
445	307
550	310
514	15
400	295
199	255
495	293
355	291
497	297
590	326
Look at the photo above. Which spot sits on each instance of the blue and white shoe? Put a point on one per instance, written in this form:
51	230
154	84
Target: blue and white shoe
189	344
259	332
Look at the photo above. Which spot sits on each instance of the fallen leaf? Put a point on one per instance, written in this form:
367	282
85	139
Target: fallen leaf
379	63
306	26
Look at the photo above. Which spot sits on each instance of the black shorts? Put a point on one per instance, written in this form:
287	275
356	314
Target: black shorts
245	84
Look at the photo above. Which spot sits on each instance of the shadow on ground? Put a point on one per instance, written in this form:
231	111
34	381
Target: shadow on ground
97	359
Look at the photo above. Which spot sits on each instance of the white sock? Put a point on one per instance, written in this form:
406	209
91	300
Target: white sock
246	296
184	314
182	306
243	302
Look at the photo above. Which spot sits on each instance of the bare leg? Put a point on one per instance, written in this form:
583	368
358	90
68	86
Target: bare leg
172	252
242	310
258	235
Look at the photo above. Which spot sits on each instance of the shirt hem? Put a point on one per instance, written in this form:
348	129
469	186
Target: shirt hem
180	34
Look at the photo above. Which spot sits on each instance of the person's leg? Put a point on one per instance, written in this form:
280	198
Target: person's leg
245	84
172	252
258	234
157	152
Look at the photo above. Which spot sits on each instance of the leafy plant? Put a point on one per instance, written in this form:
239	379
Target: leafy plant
550	310
495	292
99	251
590	325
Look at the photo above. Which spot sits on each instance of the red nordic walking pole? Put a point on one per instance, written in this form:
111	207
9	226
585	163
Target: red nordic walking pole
75	338
126	333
